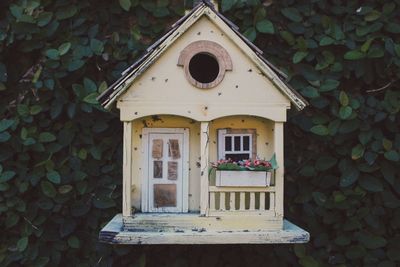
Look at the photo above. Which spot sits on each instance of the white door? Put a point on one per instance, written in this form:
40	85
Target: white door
167	170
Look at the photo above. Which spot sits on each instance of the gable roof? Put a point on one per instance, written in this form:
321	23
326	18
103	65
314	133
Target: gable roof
109	96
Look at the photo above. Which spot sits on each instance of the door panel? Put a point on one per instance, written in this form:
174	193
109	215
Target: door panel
165	176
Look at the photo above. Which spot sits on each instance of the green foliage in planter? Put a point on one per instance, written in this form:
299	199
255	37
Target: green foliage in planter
60	153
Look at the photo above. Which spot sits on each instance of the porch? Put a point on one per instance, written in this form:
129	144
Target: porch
190	228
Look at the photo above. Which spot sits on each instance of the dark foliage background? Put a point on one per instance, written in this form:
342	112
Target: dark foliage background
60	153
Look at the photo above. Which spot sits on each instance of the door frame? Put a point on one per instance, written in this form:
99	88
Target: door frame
145	165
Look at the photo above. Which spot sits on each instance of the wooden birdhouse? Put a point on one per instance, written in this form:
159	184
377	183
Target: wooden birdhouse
203	116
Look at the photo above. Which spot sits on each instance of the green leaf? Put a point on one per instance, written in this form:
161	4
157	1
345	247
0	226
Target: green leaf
329	85
373	15
91	98
64	189
319	198
66	12
75	65
73	242
326	40
4	137
5	124
392	155
265	26
354	55
64	48
292	14
324	163
97	46
125	4
54	177
299	250
371	184
6	176
53	54
48	189
357	152
23	110
343	98
34	110
345	112
371	241
308	261
349	177
103	202
250	34
46	137
299	56
22	243
320	130
227	4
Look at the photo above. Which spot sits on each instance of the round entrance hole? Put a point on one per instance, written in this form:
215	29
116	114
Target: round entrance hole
204	68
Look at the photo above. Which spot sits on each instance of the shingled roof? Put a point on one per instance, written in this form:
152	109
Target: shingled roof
205	7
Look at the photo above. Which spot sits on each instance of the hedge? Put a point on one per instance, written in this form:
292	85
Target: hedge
60	152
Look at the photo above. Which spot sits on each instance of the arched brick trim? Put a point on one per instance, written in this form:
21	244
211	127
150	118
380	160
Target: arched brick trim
212	48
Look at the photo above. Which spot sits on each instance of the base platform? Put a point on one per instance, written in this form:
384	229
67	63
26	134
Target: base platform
190	228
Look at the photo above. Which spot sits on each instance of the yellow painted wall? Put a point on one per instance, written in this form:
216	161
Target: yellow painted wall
264	146
163	88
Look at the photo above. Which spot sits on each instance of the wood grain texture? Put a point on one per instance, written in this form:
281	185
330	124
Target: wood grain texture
127	170
192	229
204	162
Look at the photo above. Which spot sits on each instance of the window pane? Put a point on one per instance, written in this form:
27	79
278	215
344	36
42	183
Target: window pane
246	143
157	169
237	157
237	143
172	170
173	149
228	143
164	195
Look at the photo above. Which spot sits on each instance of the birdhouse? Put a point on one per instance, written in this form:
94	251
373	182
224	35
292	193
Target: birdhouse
203	114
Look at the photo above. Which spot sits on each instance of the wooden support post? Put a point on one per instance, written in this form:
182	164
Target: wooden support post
279	173
204	161
127	170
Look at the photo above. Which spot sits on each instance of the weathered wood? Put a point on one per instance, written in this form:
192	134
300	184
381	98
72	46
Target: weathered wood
279	173
262	201
204	162
232	201
212	201
242	178
241	189
242	198
127	170
252	201
192	229
222	203
271	201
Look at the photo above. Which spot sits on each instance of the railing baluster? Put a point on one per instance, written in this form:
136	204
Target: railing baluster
232	201
252	201
242	201
271	201
222	201
212	201
262	201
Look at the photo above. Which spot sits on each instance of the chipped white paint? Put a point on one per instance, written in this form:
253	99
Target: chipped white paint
127	170
243	178
204	161
279	173
192	229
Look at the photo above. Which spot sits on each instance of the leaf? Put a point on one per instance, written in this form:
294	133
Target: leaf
320	130
4	137
345	112
5	124
319	198
373	15
65	189
292	14
371	184
22	243
46	137
53	54
66	12
75	65
324	163
6	176
54	177
97	46
91	99
371	241
329	85
299	56
357	152
349	177
23	110
250	34
227	4
64	48
354	55
48	189
125	4
343	98
265	26
73	242
103	202
392	155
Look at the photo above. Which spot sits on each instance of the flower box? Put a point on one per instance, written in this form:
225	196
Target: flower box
243	178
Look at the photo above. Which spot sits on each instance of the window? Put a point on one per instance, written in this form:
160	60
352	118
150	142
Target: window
237	144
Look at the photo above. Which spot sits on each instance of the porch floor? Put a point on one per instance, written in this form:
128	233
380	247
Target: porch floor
190	228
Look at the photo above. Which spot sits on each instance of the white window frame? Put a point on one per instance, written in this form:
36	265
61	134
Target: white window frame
222	133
